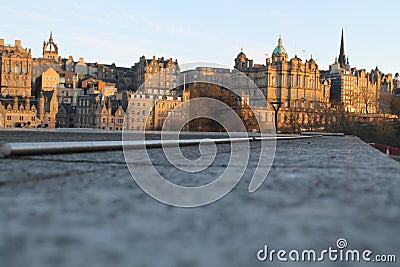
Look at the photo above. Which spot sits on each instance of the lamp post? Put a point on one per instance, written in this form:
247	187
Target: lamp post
276	105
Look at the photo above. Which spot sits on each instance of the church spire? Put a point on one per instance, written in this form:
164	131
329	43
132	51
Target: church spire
342	57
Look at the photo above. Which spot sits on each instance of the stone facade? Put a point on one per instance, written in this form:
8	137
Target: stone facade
356	91
298	86
18	112
162	108
49	59
16	69
139	111
65	116
156	75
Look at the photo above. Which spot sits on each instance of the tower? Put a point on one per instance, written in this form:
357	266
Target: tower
50	48
279	54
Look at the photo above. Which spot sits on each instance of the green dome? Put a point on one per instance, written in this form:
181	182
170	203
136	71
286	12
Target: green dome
279	50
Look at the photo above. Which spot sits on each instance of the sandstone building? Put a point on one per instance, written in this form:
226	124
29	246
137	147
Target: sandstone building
297	86
16	69
356	90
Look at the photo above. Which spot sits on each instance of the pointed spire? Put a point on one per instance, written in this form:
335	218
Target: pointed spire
342	57
280	40
342	44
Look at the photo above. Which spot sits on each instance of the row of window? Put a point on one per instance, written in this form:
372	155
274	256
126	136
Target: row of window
16	83
24	93
51	84
16	69
295	82
21	118
51	78
137	120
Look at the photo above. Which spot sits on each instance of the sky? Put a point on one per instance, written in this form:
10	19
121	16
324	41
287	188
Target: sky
208	31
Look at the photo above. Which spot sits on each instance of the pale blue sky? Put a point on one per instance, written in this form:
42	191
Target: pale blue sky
212	31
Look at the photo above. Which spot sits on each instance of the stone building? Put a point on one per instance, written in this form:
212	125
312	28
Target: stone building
108	114
50	59
156	75
68	64
98	112
139	114
47	93
47	81
356	91
18	112
296	85
16	69
85	110
48	108
163	106
65	116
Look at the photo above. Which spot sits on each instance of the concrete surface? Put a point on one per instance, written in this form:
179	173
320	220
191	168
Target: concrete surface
85	209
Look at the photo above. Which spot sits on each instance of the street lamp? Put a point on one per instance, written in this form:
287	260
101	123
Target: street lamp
276	105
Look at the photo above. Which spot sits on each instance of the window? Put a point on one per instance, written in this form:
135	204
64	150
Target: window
8	69
8	117
21	118
48	119
274	81
144	112
33	118
16	69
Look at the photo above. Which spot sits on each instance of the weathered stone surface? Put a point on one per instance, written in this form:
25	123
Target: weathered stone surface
85	209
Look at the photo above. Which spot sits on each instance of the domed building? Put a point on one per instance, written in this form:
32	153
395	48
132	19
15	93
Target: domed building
279	54
296	84
242	62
